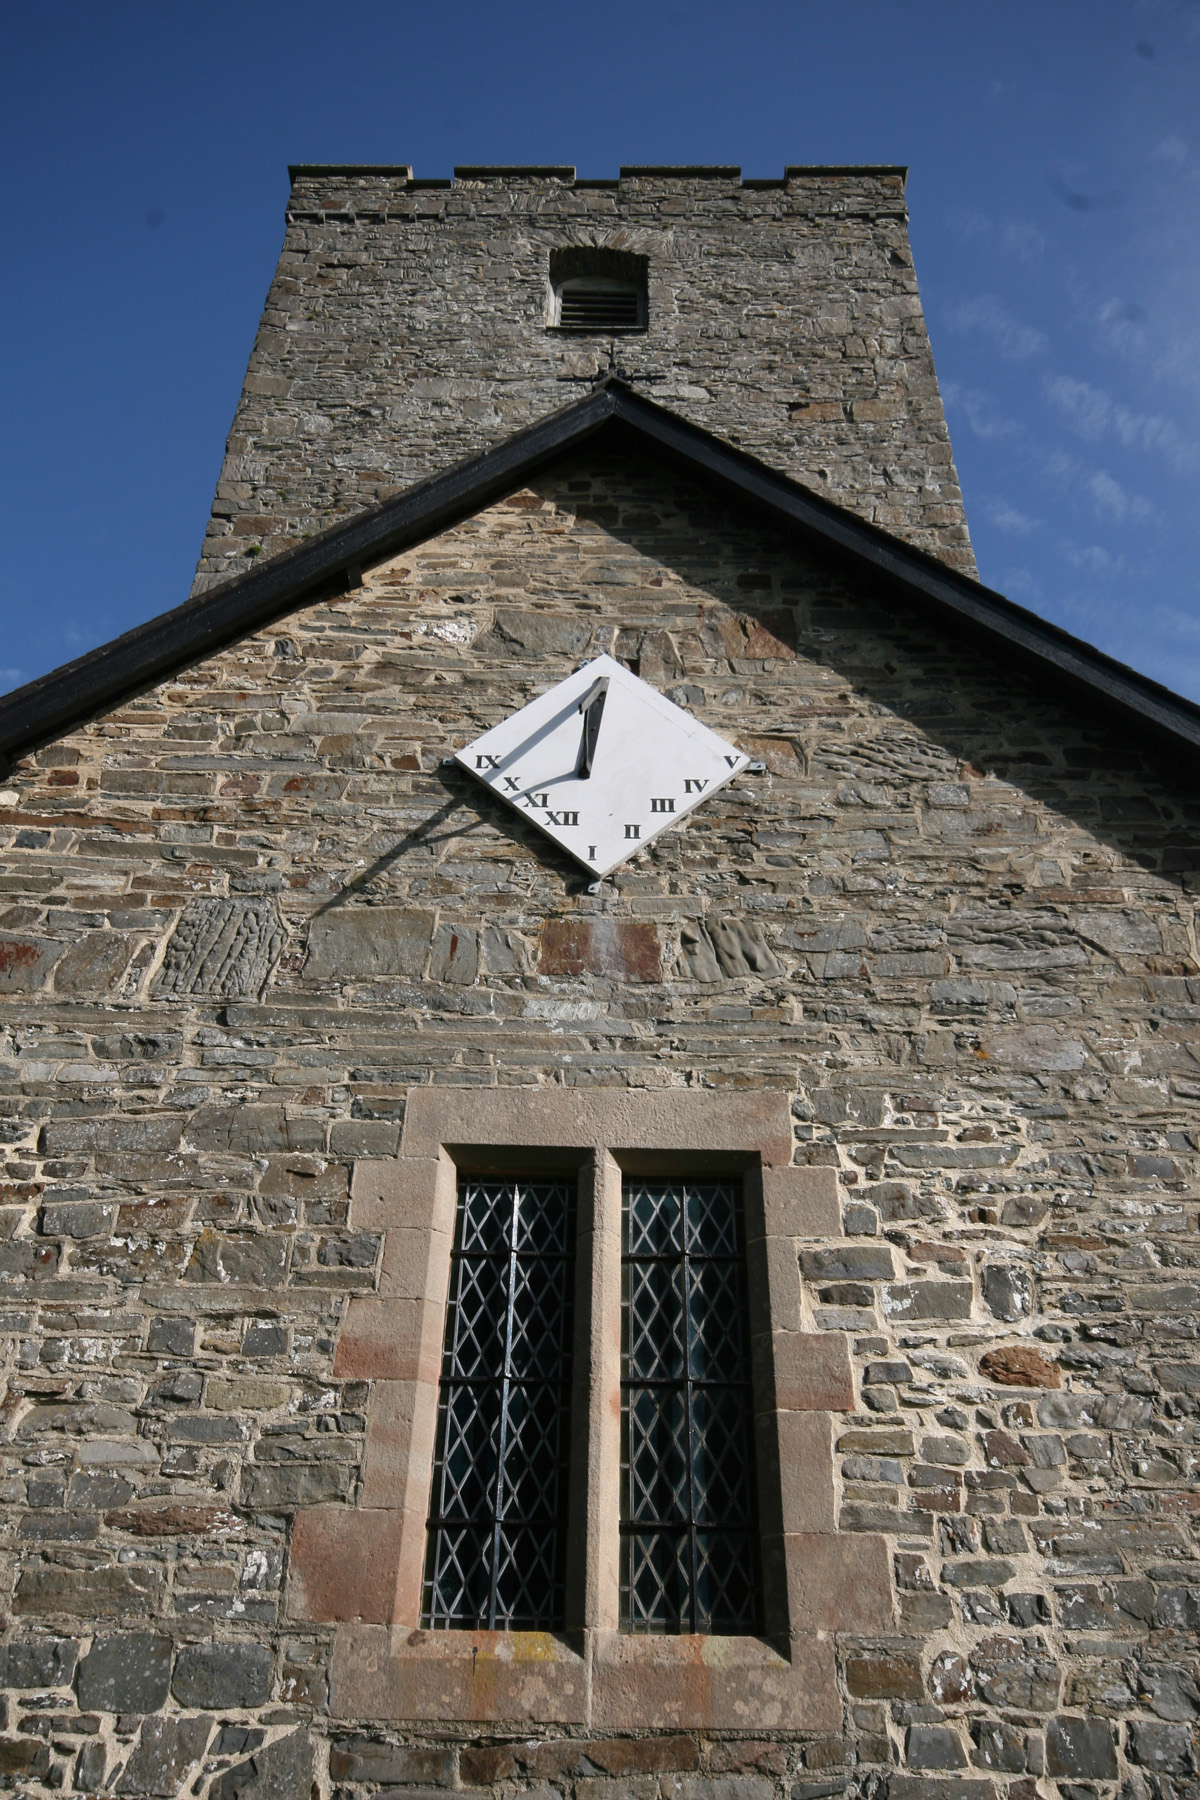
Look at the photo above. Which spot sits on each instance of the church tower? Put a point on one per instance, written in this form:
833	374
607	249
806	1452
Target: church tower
413	323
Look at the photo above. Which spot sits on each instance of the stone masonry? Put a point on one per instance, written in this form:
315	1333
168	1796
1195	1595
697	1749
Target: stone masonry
406	328
249	911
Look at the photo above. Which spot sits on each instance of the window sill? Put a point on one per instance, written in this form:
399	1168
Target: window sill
613	1681
605	331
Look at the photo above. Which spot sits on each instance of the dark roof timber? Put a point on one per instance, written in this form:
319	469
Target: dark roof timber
333	561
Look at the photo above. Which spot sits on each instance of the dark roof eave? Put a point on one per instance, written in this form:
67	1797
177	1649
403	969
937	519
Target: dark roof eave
79	689
45	708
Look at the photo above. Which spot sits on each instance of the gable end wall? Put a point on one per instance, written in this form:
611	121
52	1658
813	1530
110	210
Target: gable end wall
248	912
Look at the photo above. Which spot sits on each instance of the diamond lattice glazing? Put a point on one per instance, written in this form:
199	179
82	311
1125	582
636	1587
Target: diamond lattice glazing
688	1530
497	1512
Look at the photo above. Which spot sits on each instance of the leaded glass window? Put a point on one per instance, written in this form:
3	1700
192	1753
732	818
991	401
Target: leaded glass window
688	1526
496	1540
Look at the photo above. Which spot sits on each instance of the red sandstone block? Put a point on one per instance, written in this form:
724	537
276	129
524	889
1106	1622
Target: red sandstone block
801	1203
812	1371
837	1581
885	1676
343	1565
383	1340
625	948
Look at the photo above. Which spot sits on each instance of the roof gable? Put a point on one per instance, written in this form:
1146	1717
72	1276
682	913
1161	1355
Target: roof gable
45	708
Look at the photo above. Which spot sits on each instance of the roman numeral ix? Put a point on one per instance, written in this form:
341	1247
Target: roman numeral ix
487	762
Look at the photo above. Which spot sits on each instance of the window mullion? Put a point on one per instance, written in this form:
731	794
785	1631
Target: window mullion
505	1390
690	1429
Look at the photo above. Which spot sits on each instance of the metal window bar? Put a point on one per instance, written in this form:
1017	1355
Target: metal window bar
496	1529
689	1536
598	306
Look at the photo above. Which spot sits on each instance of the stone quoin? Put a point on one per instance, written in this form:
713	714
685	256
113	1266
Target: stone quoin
915	994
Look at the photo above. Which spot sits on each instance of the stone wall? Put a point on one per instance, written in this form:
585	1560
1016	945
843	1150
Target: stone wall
246	912
406	328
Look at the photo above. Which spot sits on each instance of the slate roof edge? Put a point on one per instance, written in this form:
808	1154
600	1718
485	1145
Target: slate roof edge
331	562
988	614
323	564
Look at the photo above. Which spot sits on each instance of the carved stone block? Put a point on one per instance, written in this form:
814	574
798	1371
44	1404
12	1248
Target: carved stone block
223	949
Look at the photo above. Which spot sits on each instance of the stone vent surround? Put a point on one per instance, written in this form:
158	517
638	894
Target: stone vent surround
361	1567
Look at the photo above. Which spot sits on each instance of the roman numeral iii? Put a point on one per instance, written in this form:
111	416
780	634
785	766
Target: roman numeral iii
662	806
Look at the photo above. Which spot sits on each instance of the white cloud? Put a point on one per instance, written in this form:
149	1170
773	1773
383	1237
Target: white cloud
1021	584
1088	410
1093	414
979	412
1172	149
1009	518
1171	353
988	317
1094	559
1111	501
1102	493
1010	237
1021	239
1174	623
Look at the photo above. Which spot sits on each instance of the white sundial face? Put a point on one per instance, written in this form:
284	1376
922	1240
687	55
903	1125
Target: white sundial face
602	763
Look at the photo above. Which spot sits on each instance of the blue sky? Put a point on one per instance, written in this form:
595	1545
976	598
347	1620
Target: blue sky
1054	152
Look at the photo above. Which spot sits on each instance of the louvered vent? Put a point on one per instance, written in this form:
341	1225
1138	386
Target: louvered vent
600	306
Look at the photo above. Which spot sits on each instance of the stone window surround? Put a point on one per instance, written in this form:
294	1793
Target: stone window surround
360	1567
